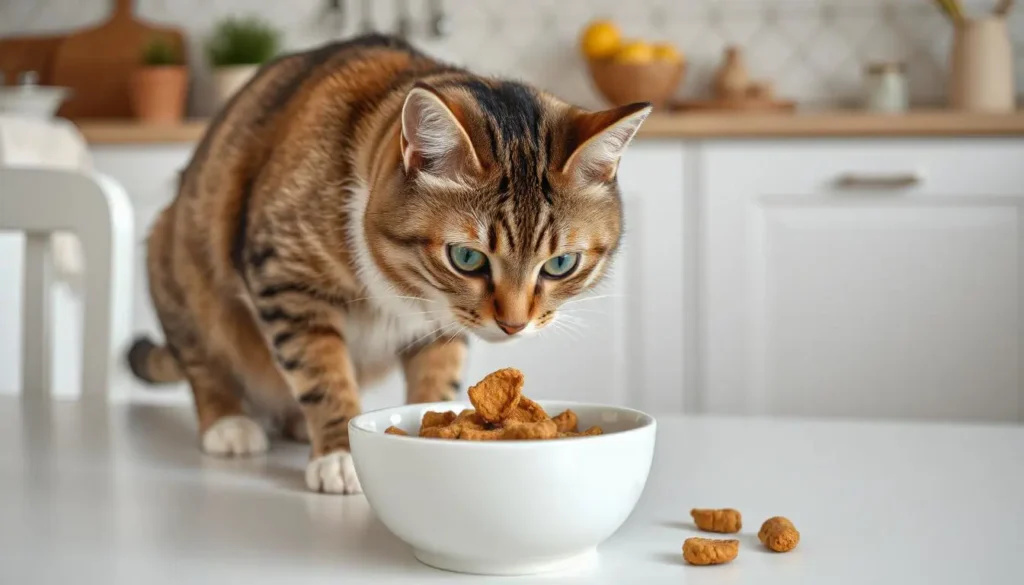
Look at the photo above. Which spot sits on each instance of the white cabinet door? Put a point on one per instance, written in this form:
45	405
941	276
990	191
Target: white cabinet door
878	279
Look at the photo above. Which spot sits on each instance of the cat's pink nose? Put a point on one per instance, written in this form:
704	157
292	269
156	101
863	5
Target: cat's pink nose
510	328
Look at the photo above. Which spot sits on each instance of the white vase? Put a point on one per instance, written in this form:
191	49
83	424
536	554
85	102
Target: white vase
228	80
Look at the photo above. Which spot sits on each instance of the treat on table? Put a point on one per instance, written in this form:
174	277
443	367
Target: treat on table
726	520
709	551
779	534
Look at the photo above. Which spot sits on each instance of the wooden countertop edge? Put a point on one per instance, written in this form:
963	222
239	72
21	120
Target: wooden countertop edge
677	126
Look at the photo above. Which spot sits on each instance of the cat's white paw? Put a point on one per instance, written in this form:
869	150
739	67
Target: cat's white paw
333	473
235	435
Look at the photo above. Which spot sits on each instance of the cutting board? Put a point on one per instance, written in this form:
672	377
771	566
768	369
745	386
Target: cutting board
97	63
21	54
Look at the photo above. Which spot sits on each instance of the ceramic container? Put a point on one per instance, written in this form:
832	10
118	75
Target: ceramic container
228	80
504	507
34	101
886	88
981	66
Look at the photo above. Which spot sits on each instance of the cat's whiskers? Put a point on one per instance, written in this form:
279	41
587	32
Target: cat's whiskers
415	313
386	297
575	320
454	335
426	335
581	310
563	326
593	298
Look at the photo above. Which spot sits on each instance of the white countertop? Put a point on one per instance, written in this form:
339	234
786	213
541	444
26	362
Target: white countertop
124	496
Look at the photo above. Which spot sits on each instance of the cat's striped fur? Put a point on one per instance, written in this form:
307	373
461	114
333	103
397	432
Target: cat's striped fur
307	251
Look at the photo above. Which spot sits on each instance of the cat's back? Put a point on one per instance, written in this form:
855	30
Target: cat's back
247	129
279	114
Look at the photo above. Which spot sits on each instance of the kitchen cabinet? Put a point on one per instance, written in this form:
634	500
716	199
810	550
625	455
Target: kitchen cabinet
861	278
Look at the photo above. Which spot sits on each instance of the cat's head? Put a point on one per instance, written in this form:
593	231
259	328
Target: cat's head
505	203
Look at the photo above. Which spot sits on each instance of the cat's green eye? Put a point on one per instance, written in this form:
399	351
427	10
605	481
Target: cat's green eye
560	266
467	260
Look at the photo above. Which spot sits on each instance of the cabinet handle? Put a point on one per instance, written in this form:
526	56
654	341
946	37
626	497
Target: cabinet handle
895	181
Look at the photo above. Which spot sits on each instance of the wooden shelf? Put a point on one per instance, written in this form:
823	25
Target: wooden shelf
825	124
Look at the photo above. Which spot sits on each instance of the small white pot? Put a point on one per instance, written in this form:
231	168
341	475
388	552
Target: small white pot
228	80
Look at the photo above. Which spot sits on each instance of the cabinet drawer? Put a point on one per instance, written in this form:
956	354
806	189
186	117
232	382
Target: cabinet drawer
829	168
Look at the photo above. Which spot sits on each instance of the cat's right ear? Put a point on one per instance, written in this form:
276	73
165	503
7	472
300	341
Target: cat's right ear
433	139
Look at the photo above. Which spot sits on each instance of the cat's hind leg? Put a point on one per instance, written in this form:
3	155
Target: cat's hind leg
224	429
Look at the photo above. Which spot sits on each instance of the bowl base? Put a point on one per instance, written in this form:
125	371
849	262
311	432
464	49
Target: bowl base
507	567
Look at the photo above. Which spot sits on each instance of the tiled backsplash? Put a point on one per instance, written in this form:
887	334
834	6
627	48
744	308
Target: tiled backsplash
813	50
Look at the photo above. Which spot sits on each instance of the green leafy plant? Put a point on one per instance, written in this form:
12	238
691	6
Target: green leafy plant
160	53
243	41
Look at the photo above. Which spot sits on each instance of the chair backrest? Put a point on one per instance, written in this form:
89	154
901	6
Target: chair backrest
39	202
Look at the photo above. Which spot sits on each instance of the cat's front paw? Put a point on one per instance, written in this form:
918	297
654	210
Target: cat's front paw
333	473
235	435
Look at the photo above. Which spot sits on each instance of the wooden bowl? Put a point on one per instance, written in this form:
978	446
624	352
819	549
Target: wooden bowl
627	83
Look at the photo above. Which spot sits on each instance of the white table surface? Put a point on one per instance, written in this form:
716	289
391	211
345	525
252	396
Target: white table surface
123	496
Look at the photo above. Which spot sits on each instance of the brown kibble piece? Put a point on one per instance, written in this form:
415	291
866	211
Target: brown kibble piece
501	413
567	422
779	534
446	432
709	551
528	411
474	434
469	419
722	520
545	429
437	419
496	397
587	433
393	430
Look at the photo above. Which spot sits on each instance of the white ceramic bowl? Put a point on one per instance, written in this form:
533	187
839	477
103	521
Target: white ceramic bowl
503	507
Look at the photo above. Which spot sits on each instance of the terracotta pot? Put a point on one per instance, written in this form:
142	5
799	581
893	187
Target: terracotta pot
228	80
158	94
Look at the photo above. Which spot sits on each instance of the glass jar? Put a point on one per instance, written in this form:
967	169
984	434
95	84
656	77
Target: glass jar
886	88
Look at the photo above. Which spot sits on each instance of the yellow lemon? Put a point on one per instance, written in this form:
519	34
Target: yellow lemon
667	52
635	52
600	39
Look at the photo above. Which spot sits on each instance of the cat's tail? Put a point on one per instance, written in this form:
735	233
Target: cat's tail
153	363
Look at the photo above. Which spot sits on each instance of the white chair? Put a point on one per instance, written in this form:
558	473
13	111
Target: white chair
39	202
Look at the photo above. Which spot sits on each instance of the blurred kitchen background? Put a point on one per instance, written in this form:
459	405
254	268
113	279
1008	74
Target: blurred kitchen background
815	51
824	216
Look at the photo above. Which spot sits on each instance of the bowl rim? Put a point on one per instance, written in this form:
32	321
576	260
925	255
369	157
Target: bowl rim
648	421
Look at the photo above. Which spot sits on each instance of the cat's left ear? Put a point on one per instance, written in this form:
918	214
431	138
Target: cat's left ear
433	139
600	139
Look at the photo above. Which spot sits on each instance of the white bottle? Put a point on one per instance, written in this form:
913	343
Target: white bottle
886	88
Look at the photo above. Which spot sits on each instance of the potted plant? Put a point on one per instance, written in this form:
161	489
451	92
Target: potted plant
159	87
236	50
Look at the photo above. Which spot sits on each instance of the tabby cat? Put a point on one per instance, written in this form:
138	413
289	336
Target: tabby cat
361	206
